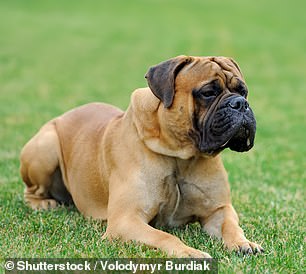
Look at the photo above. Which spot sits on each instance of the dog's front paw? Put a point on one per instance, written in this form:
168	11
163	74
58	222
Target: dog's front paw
190	252
246	248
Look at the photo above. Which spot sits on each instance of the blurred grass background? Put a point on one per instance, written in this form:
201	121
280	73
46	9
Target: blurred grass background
55	55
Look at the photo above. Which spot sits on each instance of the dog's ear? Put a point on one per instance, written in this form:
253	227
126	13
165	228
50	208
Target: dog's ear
161	78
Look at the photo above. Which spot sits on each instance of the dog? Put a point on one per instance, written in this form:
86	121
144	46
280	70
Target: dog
157	164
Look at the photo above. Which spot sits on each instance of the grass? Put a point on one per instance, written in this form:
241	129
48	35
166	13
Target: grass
55	55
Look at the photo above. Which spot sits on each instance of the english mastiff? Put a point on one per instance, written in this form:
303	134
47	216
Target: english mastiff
157	164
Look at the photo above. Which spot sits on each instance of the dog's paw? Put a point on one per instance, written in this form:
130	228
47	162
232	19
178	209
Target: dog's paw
42	204
250	248
190	252
246	248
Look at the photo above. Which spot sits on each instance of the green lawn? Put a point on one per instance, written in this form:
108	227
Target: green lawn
55	55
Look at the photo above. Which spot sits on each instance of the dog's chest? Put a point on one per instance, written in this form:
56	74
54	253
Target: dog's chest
181	202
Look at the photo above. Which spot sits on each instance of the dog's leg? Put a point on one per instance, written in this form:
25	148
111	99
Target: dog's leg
38	162
128	217
224	223
131	227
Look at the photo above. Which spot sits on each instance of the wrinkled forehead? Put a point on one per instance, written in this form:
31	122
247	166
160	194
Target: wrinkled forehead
207	69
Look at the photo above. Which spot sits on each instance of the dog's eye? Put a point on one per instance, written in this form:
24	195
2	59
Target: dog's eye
241	89
208	93
205	94
243	92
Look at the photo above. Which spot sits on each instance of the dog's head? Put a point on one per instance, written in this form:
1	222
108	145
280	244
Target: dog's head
205	101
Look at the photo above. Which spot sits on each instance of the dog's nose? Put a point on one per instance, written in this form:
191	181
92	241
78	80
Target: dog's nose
239	103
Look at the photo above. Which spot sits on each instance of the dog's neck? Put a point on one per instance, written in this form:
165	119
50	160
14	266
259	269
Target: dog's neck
148	126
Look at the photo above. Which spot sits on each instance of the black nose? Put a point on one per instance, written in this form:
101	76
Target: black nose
239	103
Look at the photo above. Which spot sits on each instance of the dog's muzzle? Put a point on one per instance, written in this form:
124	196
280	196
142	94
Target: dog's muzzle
229	124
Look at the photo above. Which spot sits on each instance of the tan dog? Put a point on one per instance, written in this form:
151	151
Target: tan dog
157	163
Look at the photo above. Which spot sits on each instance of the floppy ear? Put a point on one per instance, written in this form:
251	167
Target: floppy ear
161	78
